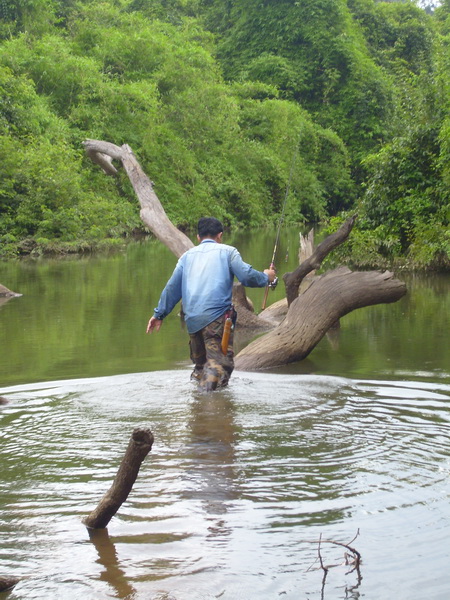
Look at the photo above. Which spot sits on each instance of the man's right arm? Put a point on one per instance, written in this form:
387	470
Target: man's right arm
154	324
247	275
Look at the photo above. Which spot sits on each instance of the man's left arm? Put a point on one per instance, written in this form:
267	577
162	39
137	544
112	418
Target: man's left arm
247	275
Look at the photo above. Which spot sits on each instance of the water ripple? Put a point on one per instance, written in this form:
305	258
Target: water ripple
250	472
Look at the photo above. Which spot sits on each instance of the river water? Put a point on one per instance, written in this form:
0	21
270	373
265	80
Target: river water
350	446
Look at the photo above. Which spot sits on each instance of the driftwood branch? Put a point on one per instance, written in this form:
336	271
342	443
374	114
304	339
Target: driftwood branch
102	159
140	445
248	320
5	293
293	280
306	246
353	559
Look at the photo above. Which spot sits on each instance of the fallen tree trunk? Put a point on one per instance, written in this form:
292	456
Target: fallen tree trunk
140	445
328	298
309	315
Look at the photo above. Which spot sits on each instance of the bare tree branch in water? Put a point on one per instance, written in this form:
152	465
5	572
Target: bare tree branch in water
7	583
352	558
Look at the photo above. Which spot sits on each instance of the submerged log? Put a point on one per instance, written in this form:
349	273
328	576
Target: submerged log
247	318
140	445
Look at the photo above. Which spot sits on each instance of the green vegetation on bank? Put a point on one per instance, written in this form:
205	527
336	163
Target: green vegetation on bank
216	99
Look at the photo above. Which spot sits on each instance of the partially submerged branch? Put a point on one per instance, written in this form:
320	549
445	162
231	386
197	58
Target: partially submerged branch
7	583
329	297
352	558
140	445
6	293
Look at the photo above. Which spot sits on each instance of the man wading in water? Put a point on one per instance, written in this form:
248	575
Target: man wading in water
203	279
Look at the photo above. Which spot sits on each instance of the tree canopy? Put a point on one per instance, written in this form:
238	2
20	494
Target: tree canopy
224	103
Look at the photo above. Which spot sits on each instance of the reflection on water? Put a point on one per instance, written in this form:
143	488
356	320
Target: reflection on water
237	490
87	318
113	575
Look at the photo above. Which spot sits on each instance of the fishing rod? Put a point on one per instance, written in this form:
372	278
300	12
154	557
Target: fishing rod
274	283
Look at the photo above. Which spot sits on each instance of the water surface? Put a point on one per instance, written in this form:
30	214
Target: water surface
241	484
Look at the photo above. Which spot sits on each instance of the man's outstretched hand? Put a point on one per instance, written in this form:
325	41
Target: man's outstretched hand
154	324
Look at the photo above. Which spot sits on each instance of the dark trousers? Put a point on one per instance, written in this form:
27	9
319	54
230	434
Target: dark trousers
213	368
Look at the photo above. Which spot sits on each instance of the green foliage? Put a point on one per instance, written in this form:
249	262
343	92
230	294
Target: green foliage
116	76
315	54
406	197
375	247
227	105
22	112
45	191
273	69
59	76
396	33
172	11
31	16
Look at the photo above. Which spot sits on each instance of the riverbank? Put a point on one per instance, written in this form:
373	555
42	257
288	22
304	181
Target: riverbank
355	254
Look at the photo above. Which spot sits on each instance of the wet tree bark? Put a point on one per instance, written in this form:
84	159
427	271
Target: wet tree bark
140	445
293	280
309	315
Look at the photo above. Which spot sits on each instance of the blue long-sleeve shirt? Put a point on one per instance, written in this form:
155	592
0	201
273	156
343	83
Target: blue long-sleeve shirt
203	278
